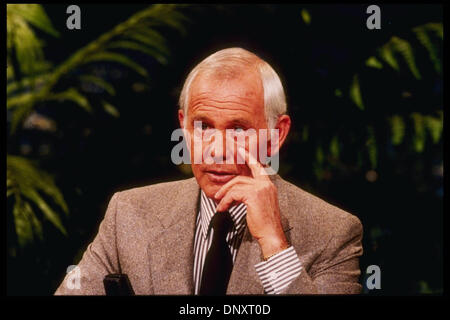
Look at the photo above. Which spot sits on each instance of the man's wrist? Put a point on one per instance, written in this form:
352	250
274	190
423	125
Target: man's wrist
272	246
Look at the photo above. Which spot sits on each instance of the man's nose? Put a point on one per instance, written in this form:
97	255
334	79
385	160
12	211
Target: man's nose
222	148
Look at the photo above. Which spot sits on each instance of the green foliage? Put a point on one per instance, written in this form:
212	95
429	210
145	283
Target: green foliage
109	108
397	129
421	124
26	183
404	48
419	136
119	58
98	82
320	155
435	127
424	124
318	165
403	127
429	36
70	94
373	62
306	16
400	46
394	54
334	147
138	33
422	34
37	82
139	47
22	40
14	87
355	92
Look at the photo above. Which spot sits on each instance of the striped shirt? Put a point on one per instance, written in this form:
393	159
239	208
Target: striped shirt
275	274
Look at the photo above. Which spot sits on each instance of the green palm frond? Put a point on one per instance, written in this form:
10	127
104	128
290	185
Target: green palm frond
147	37
427	34
400	46
306	16
355	92
33	14
26	183
437	28
405	49
22	40
9	70
21	99
138	33
391	54
70	94
109	108
387	54
119	58
373	62
435	127
420	133
25	84
23	103
422	34
98	82
334	147
141	48
397	129
318	165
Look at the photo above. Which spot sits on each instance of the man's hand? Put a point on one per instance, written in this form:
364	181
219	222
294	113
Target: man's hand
260	196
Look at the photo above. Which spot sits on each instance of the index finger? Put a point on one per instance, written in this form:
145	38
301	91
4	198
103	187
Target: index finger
256	168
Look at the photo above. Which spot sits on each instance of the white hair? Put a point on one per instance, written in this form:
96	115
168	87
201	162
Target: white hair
229	63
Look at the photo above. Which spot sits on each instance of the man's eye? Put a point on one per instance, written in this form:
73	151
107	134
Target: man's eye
238	129
205	126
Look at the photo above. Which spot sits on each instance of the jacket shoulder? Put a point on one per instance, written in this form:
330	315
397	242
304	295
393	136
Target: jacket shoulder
154	194
315	213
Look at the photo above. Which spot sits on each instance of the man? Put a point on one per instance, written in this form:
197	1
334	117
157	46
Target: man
232	229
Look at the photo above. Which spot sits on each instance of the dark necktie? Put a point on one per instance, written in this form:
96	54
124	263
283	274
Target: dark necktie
218	261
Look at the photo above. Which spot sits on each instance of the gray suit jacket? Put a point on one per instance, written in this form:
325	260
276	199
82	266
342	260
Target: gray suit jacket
148	233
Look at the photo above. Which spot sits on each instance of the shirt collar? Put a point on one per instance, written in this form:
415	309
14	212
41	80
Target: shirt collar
208	209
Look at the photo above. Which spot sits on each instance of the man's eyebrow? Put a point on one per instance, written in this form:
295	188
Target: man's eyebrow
241	122
200	118
234	122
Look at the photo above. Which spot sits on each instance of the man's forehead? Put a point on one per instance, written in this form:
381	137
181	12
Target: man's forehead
245	85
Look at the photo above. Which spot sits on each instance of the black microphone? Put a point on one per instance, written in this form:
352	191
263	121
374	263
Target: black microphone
118	284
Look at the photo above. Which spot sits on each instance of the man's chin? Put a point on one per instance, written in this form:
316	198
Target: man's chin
211	183
210	189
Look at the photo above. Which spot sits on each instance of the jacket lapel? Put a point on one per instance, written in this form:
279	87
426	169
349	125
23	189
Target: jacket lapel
171	251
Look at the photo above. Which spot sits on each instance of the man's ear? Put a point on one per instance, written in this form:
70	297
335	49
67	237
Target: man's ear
283	125
181	118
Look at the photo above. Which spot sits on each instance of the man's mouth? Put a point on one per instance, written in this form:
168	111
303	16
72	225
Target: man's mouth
220	176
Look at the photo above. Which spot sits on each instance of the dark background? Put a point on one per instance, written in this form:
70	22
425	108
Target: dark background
94	156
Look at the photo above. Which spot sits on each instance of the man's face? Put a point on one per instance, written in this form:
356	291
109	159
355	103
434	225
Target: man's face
236	104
